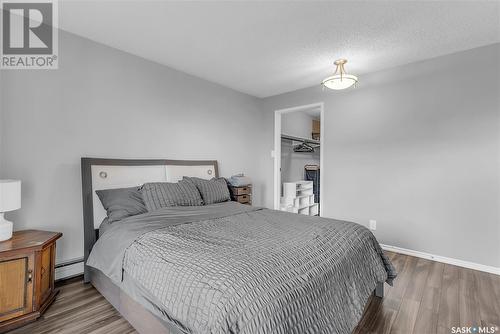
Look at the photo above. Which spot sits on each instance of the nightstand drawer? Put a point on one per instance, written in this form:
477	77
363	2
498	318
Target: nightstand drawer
246	190
243	199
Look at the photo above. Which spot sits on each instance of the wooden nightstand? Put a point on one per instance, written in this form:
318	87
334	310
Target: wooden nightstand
26	276
241	194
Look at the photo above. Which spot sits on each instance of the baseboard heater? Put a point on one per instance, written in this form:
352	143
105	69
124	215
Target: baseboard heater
69	269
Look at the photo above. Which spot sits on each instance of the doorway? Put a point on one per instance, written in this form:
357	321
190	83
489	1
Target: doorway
287	135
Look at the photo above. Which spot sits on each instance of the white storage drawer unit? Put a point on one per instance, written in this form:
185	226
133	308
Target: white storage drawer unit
298	197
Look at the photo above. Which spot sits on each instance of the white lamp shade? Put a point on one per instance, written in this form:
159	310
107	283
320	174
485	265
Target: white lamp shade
10	195
339	82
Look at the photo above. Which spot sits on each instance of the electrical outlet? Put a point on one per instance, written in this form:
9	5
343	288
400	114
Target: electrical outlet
373	224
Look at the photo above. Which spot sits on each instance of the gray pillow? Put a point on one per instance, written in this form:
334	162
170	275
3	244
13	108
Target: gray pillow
121	203
158	195
105	224
212	191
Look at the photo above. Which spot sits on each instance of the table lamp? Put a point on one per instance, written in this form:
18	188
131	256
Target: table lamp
10	199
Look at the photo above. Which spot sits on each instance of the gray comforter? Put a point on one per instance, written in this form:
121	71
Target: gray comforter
230	268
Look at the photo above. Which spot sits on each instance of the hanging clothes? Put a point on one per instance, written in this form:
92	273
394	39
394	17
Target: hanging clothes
303	148
311	173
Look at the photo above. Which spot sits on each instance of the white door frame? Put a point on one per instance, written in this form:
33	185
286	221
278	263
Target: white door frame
277	149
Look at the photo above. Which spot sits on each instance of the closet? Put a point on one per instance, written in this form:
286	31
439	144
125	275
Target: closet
300	162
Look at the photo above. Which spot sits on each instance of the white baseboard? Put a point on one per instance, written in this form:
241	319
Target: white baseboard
443	259
68	271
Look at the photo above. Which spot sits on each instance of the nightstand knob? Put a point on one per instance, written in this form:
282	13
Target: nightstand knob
30	275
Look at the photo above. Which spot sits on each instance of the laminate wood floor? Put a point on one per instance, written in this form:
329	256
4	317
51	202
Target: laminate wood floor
427	297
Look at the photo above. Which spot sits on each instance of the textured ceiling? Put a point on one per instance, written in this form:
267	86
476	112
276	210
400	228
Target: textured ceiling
268	48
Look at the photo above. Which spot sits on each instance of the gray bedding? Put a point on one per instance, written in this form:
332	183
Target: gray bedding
230	268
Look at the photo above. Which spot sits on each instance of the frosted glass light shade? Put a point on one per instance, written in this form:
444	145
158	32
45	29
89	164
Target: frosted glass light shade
338	82
10	195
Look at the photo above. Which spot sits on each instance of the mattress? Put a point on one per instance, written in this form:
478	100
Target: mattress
231	268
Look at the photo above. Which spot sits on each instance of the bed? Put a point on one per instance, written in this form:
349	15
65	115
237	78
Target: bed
225	267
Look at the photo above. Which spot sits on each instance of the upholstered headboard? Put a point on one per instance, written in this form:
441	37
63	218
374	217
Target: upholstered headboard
100	174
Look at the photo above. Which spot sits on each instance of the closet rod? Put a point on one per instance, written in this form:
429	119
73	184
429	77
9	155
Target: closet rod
303	140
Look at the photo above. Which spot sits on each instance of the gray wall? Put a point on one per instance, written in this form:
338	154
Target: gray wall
102	102
417	149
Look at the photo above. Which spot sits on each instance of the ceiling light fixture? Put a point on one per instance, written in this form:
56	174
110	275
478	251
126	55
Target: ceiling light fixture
340	79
